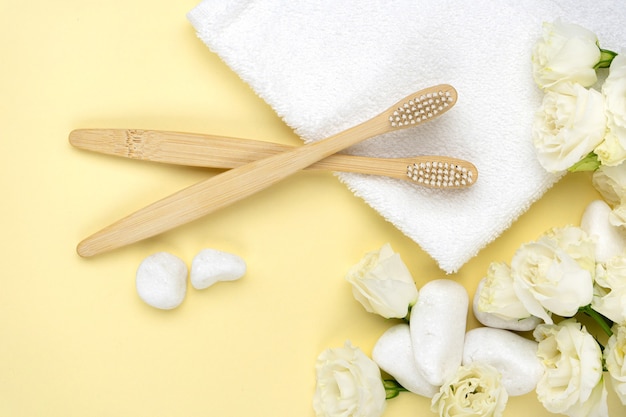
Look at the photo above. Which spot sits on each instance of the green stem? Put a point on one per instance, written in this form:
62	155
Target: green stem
392	388
407	318
606	57
588	163
598	318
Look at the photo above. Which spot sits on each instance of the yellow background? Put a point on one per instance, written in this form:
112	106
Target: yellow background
75	339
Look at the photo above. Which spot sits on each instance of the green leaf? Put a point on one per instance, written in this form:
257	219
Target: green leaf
604	323
392	388
606	57
588	163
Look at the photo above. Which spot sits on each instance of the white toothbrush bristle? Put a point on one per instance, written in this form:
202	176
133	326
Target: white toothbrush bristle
422	108
440	174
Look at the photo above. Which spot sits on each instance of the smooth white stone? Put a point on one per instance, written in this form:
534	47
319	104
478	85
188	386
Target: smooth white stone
393	353
161	280
610	240
514	356
210	266
438	324
491	320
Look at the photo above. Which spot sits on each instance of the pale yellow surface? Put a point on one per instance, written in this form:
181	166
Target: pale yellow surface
75	339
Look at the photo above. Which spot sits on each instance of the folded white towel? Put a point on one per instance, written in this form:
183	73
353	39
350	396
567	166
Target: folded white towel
327	65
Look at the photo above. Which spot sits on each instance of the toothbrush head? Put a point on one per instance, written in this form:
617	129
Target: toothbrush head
442	173
424	106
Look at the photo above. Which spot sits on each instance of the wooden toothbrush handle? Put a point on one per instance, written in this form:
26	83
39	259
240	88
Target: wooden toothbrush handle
211	151
190	149
221	190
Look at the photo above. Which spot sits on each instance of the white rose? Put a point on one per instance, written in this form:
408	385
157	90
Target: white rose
548	279
577	243
617	217
568	126
497	295
475	390
610	151
382	283
614	354
609	240
609	297
492	320
349	384
614	90
567	53
572	383
610	181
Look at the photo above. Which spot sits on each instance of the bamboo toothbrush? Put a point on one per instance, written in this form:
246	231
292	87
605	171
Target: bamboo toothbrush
211	151
228	187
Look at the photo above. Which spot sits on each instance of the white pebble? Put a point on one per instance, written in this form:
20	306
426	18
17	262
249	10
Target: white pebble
210	266
438	324
492	320
393	353
514	356
161	280
610	240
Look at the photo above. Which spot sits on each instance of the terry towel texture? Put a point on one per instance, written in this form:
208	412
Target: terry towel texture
327	65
